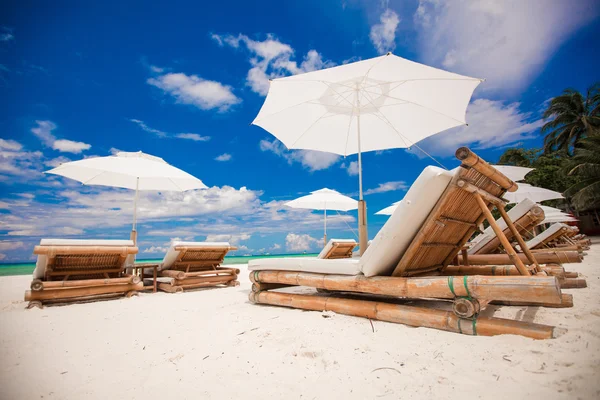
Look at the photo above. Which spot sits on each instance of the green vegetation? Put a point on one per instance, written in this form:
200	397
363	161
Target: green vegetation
570	160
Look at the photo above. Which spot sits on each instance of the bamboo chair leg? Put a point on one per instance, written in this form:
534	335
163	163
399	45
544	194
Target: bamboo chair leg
503	240
517	235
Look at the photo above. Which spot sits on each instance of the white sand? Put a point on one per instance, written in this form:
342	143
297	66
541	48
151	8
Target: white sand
215	344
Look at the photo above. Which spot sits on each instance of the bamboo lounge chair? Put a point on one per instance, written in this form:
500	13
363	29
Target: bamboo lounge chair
526	215
558	235
193	265
411	258
338	248
82	270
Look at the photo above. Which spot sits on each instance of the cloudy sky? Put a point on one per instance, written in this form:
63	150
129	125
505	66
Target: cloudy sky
183	80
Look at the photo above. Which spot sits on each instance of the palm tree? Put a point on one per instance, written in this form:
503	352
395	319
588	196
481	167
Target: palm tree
574	118
586	193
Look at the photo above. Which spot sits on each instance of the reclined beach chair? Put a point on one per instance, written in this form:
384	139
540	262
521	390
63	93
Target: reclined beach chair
72	270
558	235
411	258
193	265
526	215
338	248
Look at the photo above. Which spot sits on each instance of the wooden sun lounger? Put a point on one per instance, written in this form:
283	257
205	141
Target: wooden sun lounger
193	265
526	215
558	236
82	270
423	268
338	248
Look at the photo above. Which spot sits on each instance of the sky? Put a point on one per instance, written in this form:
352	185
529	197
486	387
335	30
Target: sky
183	80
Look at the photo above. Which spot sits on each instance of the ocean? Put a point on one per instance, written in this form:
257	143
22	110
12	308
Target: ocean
27	268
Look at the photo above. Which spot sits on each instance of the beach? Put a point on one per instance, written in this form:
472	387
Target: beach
214	344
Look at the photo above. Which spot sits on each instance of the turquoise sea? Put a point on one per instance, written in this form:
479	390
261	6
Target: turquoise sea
27	268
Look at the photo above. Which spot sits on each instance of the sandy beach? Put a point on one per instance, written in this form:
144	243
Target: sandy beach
215	344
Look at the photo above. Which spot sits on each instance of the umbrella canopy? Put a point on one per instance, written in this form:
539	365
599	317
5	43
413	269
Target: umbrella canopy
388	210
136	171
555	215
534	193
394	102
513	173
324	199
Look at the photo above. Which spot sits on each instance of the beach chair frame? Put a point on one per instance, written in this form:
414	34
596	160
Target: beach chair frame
425	270
198	267
82	273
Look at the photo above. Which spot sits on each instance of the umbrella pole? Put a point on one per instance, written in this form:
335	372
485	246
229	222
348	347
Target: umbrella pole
325	227
362	205
133	235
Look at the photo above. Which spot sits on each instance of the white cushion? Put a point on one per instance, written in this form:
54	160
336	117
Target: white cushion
488	234
329	246
172	254
42	259
536	241
341	266
395	236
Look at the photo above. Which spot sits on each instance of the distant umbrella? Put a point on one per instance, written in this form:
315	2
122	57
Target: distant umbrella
324	199
534	193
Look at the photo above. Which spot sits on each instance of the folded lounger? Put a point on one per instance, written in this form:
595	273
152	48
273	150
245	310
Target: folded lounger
410	254
192	265
338	248
526	215
74	270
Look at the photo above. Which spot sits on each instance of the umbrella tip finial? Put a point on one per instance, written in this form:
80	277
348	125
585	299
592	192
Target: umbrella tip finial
389	53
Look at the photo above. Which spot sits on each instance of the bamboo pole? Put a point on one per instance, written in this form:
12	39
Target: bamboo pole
67	293
362	226
407	315
259	287
517	235
170	288
215	280
558	257
37	284
495	270
470	159
575	283
507	247
566	302
540	289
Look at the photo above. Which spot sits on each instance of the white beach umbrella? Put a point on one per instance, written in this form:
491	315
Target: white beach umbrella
513	173
380	103
388	210
324	199
534	193
558	218
136	171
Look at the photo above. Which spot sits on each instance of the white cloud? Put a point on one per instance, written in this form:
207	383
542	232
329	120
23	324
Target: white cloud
351	168
271	58
155	249
383	34
304	242
146	128
43	131
191	89
11	245
310	159
387	187
223	157
193	136
491	124
16	162
55	162
162	134
507	42
232	239
6	37
69	146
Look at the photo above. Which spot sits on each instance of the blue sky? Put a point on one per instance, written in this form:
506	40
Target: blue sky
183	80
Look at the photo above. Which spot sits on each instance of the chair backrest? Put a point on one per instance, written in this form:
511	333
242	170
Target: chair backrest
82	258
390	243
553	232
338	248
525	216
442	211
195	256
